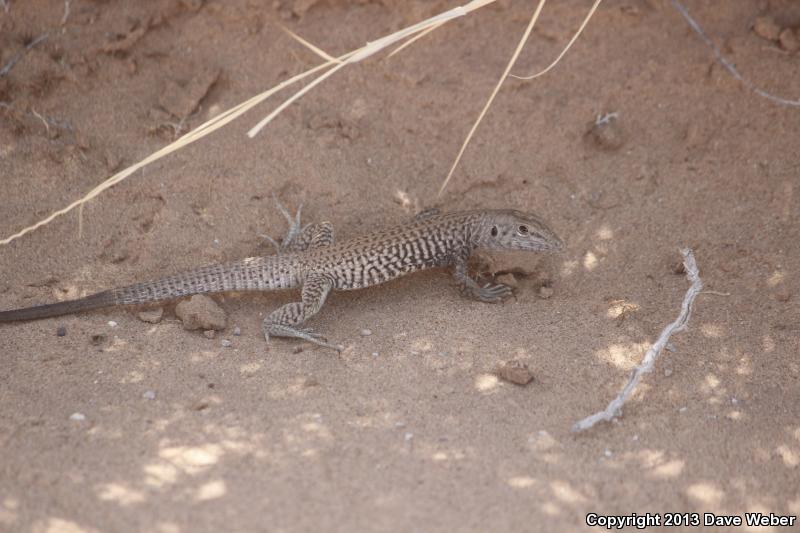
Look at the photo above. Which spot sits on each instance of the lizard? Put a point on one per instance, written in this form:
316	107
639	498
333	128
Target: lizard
308	258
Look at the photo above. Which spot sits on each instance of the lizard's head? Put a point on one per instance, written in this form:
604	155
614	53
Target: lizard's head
514	230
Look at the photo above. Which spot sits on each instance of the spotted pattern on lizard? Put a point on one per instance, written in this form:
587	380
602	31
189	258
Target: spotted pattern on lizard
309	258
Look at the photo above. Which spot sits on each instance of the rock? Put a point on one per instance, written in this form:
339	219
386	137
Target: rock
545	292
606	133
237	331
783	295
514	371
225	343
677	268
366	332
152	316
209	334
77	417
149	395
181	97
61	331
201	312
508	279
788	40
766	28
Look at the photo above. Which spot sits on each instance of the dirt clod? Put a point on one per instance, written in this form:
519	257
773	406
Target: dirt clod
607	134
201	312
508	279
545	292
152	316
514	371
789	40
766	28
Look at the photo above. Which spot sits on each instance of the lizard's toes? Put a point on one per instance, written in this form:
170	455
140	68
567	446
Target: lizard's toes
495	292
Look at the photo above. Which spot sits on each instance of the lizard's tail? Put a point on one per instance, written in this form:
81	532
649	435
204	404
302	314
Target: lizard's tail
95	301
255	273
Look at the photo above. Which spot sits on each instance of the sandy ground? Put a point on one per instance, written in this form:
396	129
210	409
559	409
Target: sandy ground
407	429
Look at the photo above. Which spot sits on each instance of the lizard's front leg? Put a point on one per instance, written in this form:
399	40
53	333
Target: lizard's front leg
284	321
491	292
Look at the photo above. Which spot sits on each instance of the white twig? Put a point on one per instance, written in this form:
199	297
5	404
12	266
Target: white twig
727	64
614	408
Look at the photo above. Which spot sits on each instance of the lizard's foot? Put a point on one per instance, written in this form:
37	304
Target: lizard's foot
294	231
307	334
491	292
295	227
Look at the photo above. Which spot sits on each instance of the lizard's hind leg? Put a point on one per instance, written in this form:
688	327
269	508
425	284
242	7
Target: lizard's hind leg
298	237
284	321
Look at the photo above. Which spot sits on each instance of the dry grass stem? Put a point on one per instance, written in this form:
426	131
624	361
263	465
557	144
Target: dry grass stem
506	73
511	62
333	64
566	48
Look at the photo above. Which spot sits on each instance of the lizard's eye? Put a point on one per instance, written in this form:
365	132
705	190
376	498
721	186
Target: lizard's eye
494	231
523	230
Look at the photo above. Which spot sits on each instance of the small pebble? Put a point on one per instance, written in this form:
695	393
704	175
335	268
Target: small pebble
682	409
734	401
677	268
408	436
201	405
61	331
783	295
375	354
514	371
668	372
789	40
149	395
152	316
366	332
608	453
670	347
545	292
226	343
77	417
606	133
635	438
112	323
766	28
399	424
507	279
237	331
201	312
209	334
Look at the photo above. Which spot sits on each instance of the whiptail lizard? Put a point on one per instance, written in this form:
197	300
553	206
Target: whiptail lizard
309	259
